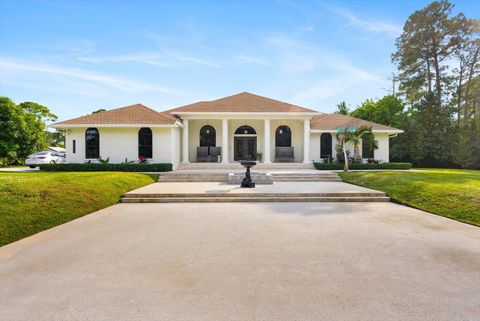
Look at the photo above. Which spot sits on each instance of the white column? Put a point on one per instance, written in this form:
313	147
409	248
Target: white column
306	141
225	141
185	147
266	143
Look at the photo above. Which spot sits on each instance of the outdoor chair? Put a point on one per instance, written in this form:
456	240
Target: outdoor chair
202	154
214	153
284	154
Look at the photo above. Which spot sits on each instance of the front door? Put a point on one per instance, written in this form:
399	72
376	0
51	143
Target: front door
245	148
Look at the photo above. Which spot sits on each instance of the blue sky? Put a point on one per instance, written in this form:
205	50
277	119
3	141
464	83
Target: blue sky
79	56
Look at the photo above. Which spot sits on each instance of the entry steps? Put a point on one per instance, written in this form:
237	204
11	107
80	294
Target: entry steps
253	197
272	166
199	176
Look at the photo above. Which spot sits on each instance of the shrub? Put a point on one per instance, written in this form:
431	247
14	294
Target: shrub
337	166
95	167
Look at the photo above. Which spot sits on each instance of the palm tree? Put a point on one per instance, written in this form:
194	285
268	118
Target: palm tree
356	137
352	135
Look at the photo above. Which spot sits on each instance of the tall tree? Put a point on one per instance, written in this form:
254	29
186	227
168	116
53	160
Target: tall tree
22	130
342	108
429	37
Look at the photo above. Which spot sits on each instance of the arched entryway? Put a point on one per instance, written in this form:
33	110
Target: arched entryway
208	136
245	143
326	145
283	136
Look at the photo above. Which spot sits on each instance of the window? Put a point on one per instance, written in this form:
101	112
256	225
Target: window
207	136
367	146
92	143
74	146
145	142
245	130
325	145
283	137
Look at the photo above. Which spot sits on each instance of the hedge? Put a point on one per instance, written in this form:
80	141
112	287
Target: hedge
95	167
339	166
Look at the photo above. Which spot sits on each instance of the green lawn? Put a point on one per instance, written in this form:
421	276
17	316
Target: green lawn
447	192
33	202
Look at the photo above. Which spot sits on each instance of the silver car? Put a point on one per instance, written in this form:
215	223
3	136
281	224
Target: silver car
47	157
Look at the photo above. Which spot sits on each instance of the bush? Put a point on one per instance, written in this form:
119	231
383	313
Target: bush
95	167
337	166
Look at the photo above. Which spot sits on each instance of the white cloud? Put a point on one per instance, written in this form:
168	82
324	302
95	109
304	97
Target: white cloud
375	26
198	61
254	60
154	59
22	68
149	59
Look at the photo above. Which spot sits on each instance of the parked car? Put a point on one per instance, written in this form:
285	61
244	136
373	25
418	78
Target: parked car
47	157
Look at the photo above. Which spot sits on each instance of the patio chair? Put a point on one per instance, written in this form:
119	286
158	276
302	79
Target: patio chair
284	154
214	153
202	154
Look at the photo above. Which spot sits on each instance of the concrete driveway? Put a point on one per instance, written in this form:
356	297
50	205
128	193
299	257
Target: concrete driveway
264	261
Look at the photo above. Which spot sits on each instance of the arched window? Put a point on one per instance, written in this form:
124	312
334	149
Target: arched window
368	146
245	130
208	136
283	137
92	143
145	142
325	145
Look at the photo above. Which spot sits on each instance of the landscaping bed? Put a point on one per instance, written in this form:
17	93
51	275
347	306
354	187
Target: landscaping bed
450	193
33	202
339	166
96	167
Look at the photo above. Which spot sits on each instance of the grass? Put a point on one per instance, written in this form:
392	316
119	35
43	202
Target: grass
33	202
447	192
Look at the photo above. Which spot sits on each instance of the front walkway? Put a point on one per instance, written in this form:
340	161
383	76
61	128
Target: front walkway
267	261
276	188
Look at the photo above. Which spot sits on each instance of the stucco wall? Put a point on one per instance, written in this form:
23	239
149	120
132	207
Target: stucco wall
120	143
381	154
194	127
296	126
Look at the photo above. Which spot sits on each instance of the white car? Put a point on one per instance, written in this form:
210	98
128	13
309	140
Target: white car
47	157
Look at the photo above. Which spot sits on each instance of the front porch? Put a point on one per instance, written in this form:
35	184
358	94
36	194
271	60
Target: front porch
227	141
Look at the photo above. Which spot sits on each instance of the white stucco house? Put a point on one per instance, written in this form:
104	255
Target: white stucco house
225	130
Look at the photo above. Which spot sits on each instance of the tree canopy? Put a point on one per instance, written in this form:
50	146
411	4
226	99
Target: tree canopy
22	130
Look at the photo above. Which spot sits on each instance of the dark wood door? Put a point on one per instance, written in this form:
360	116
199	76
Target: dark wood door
245	148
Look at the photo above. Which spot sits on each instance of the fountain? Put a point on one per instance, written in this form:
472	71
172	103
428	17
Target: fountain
247	181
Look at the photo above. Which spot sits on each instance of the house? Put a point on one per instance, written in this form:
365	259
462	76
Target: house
226	130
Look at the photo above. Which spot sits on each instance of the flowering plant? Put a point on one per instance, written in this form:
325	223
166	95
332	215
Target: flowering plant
142	159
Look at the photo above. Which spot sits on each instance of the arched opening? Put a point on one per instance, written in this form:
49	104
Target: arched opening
368	146
245	143
326	145
145	142
92	143
283	136
245	130
208	136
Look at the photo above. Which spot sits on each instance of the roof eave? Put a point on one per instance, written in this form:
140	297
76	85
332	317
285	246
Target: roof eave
62	126
246	112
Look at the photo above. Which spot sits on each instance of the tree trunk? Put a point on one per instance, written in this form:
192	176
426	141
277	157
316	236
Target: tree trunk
469	83
345	166
429	77
459	95
438	80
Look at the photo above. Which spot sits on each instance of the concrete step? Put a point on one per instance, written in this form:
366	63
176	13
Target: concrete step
193	166
254	194
254	199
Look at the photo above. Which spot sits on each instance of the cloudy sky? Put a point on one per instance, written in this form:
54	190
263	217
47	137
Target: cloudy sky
79	56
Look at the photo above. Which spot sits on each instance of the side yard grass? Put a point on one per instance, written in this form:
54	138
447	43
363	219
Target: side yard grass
450	193
33	202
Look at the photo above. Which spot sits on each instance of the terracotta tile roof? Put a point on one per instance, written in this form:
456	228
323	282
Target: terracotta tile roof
335	121
134	114
242	103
